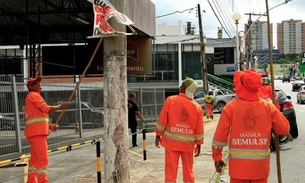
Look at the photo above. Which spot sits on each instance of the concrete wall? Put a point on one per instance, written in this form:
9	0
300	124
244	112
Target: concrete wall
142	13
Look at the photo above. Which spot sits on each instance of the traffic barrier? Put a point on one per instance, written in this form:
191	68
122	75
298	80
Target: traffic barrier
98	162
144	144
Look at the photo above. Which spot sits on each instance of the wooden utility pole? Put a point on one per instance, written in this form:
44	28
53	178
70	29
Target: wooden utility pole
270	47
204	72
117	166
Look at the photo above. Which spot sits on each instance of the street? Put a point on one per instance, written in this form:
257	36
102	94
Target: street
79	165
291	154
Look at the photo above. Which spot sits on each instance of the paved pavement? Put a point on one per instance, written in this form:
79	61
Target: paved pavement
79	164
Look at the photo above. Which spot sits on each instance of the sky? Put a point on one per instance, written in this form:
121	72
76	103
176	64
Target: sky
224	10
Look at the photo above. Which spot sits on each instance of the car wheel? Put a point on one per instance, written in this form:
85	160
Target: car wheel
294	131
220	106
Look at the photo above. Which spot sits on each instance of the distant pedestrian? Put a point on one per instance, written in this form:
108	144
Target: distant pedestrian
180	130
133	111
209	102
245	124
37	129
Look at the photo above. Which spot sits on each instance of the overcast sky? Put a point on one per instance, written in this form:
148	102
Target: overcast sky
224	10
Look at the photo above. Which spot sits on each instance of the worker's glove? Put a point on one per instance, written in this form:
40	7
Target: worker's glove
158	141
219	164
54	127
197	150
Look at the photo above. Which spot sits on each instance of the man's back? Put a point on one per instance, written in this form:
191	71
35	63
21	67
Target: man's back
249	137
183	119
132	108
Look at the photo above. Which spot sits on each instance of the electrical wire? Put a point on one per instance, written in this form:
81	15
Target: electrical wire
218	19
226	8
190	10
221	15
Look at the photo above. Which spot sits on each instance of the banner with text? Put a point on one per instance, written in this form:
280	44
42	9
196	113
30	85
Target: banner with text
103	11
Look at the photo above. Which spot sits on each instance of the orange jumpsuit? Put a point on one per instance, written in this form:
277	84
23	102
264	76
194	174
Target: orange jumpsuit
180	126
208	99
36	131
246	128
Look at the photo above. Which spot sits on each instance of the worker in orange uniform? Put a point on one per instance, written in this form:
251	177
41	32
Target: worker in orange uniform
209	100
245	124
37	129
266	92
180	130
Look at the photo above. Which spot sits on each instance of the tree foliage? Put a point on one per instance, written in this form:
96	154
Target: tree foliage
289	58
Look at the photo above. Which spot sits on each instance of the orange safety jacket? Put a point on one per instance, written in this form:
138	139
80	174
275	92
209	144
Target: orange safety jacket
180	123
36	115
246	127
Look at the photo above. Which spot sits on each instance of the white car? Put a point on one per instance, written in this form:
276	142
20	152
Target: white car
301	94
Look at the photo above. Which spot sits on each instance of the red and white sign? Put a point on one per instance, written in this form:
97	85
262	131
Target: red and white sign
103	11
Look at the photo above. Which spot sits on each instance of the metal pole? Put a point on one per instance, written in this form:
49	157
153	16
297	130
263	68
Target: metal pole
98	162
203	58
237	46
144	144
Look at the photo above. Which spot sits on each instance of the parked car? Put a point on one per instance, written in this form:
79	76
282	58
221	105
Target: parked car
286	107
296	85
221	98
92	117
7	122
301	95
286	79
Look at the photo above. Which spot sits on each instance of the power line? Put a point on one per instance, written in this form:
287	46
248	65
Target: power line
219	19
190	10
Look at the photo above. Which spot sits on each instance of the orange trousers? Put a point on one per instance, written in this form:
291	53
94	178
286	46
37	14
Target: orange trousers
209	109
264	180
39	159
172	162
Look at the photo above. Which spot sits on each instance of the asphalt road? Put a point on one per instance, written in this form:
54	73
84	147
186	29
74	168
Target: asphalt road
291	155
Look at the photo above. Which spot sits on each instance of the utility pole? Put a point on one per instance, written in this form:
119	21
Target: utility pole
116	159
203	57
270	47
249	38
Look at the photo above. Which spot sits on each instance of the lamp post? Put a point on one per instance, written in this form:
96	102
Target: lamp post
236	17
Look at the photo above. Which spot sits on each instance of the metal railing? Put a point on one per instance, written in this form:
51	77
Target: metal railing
73	126
220	83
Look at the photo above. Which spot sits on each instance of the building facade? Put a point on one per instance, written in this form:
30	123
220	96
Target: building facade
259	35
291	36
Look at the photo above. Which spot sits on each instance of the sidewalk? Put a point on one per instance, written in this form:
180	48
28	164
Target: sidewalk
79	165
